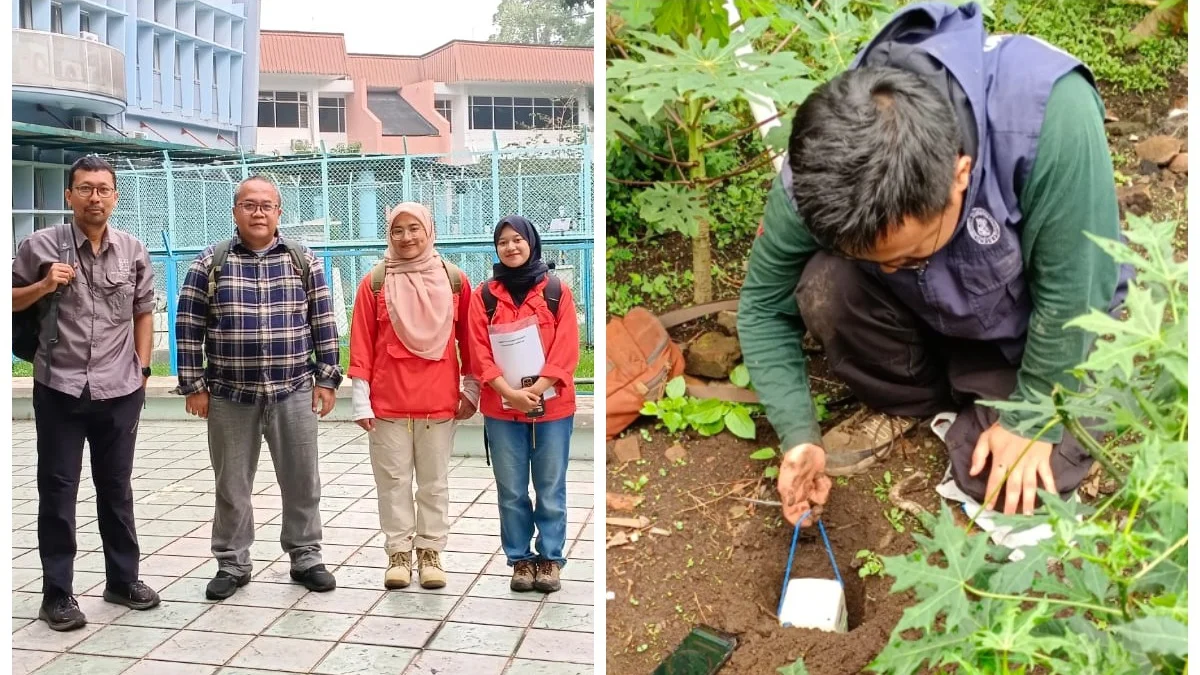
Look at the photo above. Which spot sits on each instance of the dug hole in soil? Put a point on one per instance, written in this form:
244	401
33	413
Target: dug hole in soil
722	560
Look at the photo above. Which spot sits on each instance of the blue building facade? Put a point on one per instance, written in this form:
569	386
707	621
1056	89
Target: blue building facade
134	77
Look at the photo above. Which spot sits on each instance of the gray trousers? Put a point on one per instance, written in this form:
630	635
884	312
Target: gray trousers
235	433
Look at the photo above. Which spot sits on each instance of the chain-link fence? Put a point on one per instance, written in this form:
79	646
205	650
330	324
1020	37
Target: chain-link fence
337	205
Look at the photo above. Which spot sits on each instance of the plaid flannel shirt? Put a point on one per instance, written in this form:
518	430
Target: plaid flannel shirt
258	337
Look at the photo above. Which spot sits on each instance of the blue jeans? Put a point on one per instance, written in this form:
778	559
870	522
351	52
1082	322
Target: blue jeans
519	450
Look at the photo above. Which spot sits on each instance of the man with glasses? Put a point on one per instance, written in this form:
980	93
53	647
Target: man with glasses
88	385
929	231
259	309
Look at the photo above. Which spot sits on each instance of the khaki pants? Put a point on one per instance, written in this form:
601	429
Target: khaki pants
400	448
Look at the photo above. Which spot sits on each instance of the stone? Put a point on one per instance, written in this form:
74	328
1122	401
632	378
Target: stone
1179	163
713	355
1158	149
727	319
1135	199
675	453
1122	129
627	449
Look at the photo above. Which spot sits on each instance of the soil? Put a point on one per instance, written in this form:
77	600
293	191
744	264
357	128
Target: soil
722	560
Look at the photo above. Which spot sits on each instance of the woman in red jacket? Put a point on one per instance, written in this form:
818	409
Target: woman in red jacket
408	315
528	409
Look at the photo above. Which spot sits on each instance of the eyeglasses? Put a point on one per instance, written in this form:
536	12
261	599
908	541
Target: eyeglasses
87	190
917	265
250	208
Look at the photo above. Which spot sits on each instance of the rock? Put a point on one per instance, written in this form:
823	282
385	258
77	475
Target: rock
713	355
627	449
619	502
1179	163
1180	103
1143	115
675	453
727	319
1148	168
1135	199
1122	129
1158	149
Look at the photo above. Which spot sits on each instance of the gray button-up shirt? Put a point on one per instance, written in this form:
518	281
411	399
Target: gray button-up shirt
95	313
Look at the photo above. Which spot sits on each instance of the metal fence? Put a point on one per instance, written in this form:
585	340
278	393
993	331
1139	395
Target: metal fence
337	205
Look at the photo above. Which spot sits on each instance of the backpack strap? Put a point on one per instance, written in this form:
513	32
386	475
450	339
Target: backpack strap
220	253
489	300
66	255
552	293
299	261
453	273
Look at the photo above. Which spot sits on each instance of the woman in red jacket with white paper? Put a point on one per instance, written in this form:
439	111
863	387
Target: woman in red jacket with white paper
408	314
525	342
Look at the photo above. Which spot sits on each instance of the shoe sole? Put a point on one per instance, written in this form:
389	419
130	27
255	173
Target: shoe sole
126	602
217	596
433	584
315	588
396	585
521	588
62	626
547	589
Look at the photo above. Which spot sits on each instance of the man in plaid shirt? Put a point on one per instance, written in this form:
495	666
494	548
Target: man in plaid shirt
259	331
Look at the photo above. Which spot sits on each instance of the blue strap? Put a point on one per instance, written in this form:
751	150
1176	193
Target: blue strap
787	574
829	550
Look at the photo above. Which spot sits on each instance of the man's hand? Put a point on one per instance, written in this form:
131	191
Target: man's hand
323	400
367	423
803	485
465	408
522	400
197	404
57	275
1023	468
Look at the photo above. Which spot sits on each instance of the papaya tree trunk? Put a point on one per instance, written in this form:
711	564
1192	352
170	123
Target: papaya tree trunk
702	290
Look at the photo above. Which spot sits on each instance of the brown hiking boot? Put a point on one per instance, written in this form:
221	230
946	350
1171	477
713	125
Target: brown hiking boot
522	578
547	576
399	571
429	567
861	440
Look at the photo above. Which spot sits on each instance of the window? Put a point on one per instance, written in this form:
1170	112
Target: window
331	115
178	77
446	110
157	57
85	22
56	17
26	14
517	112
285	109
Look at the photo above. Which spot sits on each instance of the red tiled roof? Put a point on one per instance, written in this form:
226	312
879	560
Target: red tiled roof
301	53
463	61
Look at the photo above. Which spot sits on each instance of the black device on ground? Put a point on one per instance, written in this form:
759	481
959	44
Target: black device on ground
540	409
703	652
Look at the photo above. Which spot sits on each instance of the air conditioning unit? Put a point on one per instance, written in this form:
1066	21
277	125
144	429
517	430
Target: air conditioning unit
90	37
300	145
89	124
137	134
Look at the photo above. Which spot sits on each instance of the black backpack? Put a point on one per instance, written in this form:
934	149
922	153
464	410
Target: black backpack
42	316
552	293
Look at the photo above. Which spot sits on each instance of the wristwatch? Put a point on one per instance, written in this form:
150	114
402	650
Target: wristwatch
146	371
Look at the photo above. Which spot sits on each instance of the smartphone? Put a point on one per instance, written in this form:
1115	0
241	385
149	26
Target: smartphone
541	407
703	652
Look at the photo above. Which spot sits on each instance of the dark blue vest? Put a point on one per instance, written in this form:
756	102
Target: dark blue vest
974	287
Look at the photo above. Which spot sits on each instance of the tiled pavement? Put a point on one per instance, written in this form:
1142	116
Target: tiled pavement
475	625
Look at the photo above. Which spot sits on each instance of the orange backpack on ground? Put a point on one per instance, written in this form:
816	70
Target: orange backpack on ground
641	359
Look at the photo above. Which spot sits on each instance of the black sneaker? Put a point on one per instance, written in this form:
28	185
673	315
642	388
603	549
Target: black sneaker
136	595
224	585
62	614
315	578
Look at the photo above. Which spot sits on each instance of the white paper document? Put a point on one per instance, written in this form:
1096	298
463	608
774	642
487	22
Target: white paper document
517	350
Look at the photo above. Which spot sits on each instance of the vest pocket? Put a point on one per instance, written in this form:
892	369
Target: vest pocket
992	279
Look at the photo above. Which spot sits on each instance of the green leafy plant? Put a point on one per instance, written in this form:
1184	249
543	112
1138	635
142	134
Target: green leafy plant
871	566
767	454
895	518
708	417
882	487
1108	591
637	485
797	667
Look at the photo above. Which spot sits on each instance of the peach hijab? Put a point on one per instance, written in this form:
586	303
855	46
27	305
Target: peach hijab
417	292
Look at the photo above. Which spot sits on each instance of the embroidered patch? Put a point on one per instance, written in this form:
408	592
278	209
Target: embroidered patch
123	266
982	227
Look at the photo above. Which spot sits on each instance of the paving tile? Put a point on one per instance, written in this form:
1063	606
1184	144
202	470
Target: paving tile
528	667
497	587
18	624
347	659
312	625
282	653
38	635
373	557
583	549
98	611
359	577
415	605
456	584
336	554
464	563
558	616
464	495
170	565
345	536
25	661
435	662
344	600
193	547
195	646
494	611
576	593
169	614
475	638
83	664
185	590
150	543
26	605
391	632
169	668
481	509
130	641
469	525
236	619
281	596
356	519
473	543
553	645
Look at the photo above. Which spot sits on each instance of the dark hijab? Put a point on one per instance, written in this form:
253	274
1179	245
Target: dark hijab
519	280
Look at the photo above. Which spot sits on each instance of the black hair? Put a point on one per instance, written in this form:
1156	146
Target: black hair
90	163
869	148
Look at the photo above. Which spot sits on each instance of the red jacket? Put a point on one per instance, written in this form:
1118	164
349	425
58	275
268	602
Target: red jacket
404	385
560	342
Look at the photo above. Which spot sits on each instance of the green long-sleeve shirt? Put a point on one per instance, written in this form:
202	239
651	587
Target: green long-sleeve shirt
1070	191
